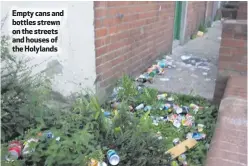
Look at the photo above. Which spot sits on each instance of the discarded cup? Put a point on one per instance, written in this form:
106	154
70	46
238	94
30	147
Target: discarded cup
113	158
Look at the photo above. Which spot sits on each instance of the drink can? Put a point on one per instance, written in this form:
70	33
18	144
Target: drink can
112	156
200	127
176	141
185	109
139	107
14	151
93	163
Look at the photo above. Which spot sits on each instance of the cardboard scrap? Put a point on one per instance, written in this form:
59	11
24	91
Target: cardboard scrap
181	148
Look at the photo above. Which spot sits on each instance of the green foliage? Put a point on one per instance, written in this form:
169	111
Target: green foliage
148	96
193	36
202	28
85	133
136	144
217	17
128	91
22	95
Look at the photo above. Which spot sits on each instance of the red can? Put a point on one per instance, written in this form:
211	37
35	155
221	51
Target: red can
15	149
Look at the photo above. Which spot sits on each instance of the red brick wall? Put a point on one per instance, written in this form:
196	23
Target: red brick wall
129	44
242	11
232	54
195	15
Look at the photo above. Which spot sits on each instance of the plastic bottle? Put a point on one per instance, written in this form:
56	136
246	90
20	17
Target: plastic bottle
112	156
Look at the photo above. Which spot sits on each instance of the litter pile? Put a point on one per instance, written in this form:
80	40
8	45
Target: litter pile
157	69
177	122
167	111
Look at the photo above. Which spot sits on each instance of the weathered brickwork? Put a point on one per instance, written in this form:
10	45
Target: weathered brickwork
130	35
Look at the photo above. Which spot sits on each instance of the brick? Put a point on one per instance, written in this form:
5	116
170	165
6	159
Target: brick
225	162
233	43
101	32
101	42
239	51
108	74
107	22
116	3
100	13
103	67
98	4
102	50
227	35
240	36
114	46
108	57
236	58
118	60
98	23
112	12
232	66
98	61
232	157
113	30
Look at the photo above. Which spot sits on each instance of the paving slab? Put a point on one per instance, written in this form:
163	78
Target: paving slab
195	66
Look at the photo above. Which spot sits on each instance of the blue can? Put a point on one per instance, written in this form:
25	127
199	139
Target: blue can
107	114
48	134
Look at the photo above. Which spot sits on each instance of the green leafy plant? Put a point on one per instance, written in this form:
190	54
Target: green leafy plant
202	28
22	95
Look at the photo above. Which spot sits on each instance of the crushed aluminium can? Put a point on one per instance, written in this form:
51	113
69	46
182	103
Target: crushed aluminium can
196	136
176	141
182	160
14	151
148	108
113	157
185	109
48	135
139	107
